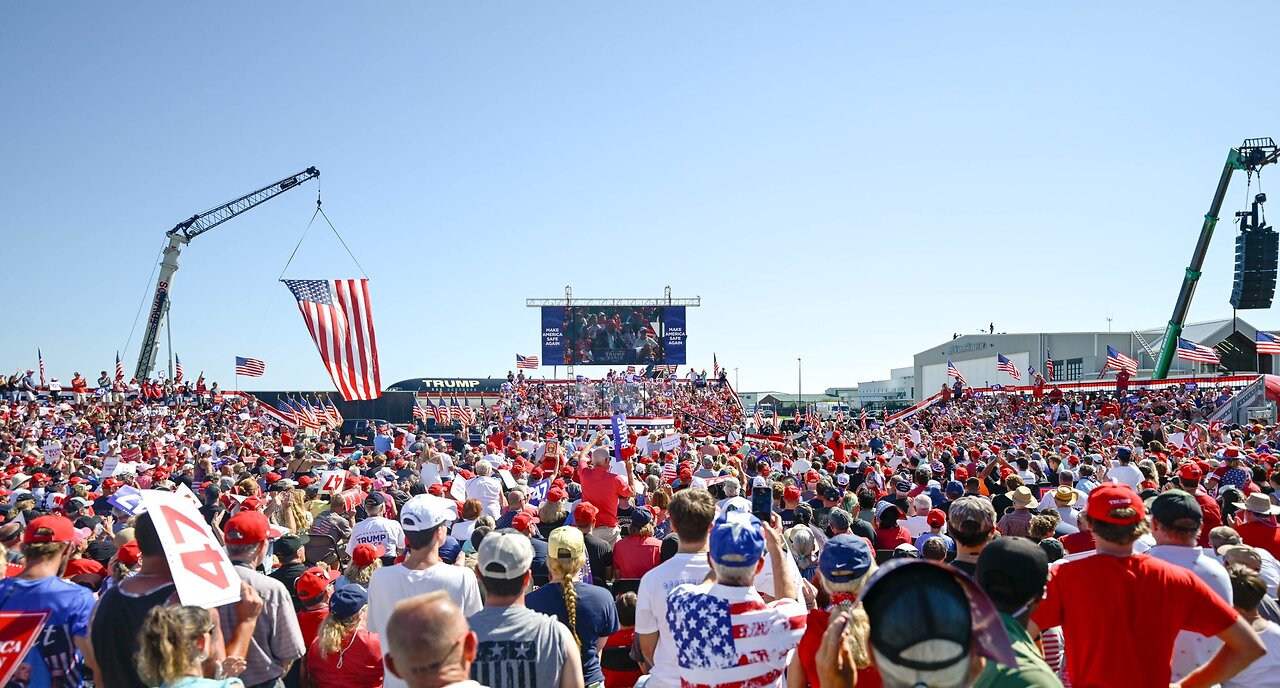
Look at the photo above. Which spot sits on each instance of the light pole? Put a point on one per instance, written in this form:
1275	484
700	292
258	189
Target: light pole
799	385
735	378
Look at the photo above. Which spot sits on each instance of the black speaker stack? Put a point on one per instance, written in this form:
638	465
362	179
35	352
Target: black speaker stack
1257	247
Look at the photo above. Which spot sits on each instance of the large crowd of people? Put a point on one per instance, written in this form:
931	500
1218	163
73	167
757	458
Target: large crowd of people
990	539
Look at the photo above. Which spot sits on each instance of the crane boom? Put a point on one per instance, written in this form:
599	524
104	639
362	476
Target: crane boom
1250	157
184	232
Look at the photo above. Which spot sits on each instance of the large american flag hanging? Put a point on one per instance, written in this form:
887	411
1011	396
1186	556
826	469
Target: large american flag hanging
1266	343
1005	365
1119	361
1190	351
338	316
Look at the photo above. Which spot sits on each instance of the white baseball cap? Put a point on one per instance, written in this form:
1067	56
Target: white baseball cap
424	512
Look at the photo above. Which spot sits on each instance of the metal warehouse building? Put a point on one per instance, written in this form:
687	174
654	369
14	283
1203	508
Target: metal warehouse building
1081	355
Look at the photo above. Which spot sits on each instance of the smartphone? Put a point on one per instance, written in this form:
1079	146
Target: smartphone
762	503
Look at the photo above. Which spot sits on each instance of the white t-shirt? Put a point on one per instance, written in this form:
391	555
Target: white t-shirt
432	474
651	610
1192	650
1129	475
917	525
391	584
377	530
488	490
1265	672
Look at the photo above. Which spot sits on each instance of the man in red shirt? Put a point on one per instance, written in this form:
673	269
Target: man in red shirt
1189	476
602	488
314	588
1120	612
1259	527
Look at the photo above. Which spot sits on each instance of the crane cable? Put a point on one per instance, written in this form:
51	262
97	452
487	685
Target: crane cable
320	211
146	289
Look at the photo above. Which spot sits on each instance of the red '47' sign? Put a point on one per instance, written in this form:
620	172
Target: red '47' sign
201	571
18	632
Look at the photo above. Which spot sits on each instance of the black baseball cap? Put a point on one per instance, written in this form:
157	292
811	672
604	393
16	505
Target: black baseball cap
1177	509
290	543
1013	572
912	601
375	498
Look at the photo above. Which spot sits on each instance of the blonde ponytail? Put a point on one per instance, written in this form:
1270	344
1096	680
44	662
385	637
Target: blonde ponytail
566	569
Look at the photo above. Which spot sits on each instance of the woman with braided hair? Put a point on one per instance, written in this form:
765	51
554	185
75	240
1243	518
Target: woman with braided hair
587	610
845	565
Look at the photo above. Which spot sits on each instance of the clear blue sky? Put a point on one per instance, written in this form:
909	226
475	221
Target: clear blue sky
844	182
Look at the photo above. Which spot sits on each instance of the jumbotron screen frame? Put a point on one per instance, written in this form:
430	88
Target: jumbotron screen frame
613	335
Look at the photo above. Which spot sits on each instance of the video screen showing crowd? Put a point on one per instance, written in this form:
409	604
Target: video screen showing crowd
1009	539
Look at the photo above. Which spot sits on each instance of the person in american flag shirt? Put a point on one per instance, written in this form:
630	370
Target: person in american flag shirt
726	634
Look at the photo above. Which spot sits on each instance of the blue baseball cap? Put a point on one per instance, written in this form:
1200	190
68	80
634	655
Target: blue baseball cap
845	558
347	601
737	539
954	487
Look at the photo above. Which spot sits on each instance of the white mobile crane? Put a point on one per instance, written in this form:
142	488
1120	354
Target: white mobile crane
184	232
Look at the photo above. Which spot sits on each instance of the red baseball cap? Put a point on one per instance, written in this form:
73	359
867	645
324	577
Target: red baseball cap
49	529
246	528
129	554
81	565
312	583
365	554
585	512
791	493
1110	496
936	518
523	520
1190	471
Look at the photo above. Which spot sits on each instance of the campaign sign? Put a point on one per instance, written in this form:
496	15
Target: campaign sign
52	453
109	465
538	491
18	632
669	443
508	480
186	493
132	454
202	573
674	335
127	500
553	335
332	481
458	488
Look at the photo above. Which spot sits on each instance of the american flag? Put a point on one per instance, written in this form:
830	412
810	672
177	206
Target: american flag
1190	351
840	416
468	413
250	367
420	413
759	419
631	370
455	411
40	358
305	416
952	371
669	470
442	411
1118	361
732	638
527	362
1005	365
664	369
1266	343
864	418
1048	366
429	411
284	412
119	367
338	316
177	370
715	366
338	418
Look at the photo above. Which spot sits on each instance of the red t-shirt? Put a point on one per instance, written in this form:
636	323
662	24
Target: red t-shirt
361	658
889	538
1212	516
634	556
808	649
602	489
1078	542
622	638
1261	535
309	622
1120	615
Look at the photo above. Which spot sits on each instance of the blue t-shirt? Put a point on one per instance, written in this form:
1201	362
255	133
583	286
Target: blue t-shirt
951	544
597	618
69	606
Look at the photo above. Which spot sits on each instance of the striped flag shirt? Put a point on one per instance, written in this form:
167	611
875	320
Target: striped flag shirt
250	367
1266	343
1119	361
1005	365
339	318
527	362
1190	351
729	636
1048	366
952	371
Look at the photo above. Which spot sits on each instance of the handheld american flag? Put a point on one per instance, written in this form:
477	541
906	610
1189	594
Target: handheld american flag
1118	361
40	358
1048	365
250	367
1190	351
177	370
119	367
1005	365
952	371
527	362
339	318
1266	343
